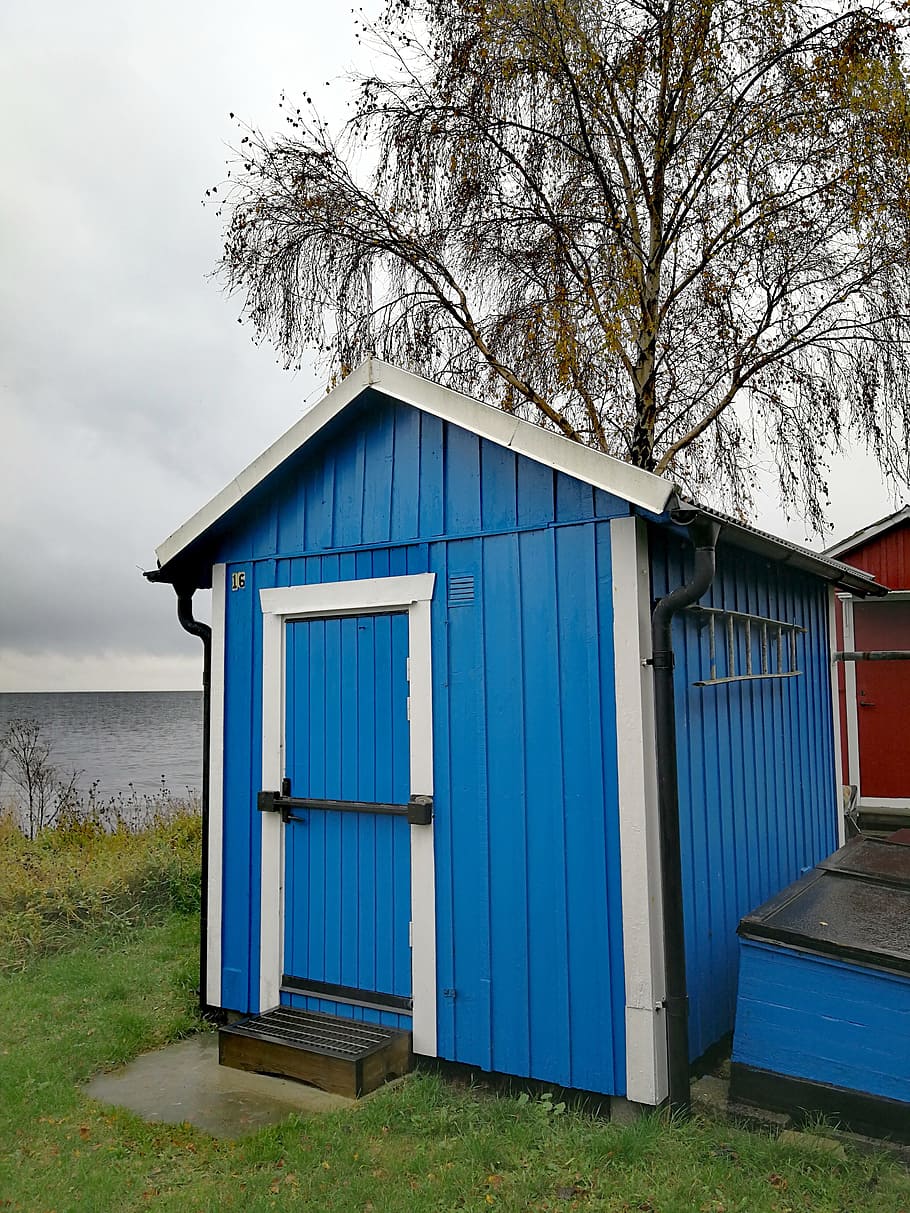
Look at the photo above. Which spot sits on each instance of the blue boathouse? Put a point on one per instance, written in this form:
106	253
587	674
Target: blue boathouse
432	788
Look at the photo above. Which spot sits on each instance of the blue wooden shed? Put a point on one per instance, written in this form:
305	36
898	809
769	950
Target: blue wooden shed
433	780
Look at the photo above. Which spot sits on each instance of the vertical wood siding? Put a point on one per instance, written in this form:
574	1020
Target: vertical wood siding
817	1018
348	875
529	940
885	556
756	767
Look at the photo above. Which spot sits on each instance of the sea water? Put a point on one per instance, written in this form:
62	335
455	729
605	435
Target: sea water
125	743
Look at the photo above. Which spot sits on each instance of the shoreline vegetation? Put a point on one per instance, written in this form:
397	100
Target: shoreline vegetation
99	962
37	795
102	875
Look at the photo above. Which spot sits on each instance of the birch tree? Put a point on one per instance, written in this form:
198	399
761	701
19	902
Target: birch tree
674	230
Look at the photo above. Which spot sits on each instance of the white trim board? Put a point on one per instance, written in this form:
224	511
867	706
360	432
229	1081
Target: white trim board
215	856
639	487
853	774
835	716
858	538
639	830
885	804
368	596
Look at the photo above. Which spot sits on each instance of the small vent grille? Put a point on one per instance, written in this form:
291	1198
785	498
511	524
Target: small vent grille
461	589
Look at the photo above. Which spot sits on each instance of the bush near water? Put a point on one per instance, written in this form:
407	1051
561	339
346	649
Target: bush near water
86	874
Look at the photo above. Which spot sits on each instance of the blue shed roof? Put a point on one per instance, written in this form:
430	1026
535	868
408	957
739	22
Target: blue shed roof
653	494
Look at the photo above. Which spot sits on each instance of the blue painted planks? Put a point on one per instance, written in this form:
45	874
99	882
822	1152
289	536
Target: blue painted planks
347	739
529	951
465	761
506	739
547	926
823	1020
587	838
756	773
391	475
345	1011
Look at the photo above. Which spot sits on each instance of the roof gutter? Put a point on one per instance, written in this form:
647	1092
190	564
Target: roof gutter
783	551
704	533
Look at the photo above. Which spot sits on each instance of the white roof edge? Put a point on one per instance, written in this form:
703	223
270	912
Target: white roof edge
858	538
633	484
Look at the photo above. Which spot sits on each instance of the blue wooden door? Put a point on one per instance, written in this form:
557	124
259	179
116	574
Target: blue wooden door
347	873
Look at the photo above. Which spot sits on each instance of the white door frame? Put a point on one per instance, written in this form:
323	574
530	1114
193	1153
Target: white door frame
900	805
370	596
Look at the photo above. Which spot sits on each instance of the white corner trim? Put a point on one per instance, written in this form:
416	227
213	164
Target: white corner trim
835	716
215	853
853	772
423	863
368	596
639	838
602	471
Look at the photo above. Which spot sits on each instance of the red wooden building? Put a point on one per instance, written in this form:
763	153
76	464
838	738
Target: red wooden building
873	691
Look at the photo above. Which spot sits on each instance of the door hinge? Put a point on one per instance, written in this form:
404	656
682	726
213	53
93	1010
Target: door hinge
411	934
407	668
409	707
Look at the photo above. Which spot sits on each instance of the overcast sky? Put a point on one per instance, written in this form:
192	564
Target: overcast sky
129	394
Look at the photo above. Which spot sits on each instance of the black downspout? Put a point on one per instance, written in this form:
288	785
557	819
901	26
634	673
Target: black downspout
204	632
704	536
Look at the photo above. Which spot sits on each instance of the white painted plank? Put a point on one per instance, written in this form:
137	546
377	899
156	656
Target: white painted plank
215	856
646	1039
835	711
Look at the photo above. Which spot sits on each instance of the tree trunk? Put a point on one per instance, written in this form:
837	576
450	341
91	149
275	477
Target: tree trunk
642	454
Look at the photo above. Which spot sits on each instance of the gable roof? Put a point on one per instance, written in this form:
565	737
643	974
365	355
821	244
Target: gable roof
874	529
602	471
653	494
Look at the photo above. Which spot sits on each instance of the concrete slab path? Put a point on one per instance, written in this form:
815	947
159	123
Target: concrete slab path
184	1082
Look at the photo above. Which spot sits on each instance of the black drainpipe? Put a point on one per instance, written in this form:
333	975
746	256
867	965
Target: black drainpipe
704	536
204	632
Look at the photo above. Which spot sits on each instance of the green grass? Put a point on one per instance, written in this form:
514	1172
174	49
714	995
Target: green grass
111	989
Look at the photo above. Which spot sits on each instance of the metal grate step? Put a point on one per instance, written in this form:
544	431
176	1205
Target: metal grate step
342	1055
325	1034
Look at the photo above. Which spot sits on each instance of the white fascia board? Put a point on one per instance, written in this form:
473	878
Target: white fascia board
634	485
858	538
892	596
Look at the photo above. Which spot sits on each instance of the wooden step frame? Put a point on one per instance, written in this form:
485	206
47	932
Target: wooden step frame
344	1056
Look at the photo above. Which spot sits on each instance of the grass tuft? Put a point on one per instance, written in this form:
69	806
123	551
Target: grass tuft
83	875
